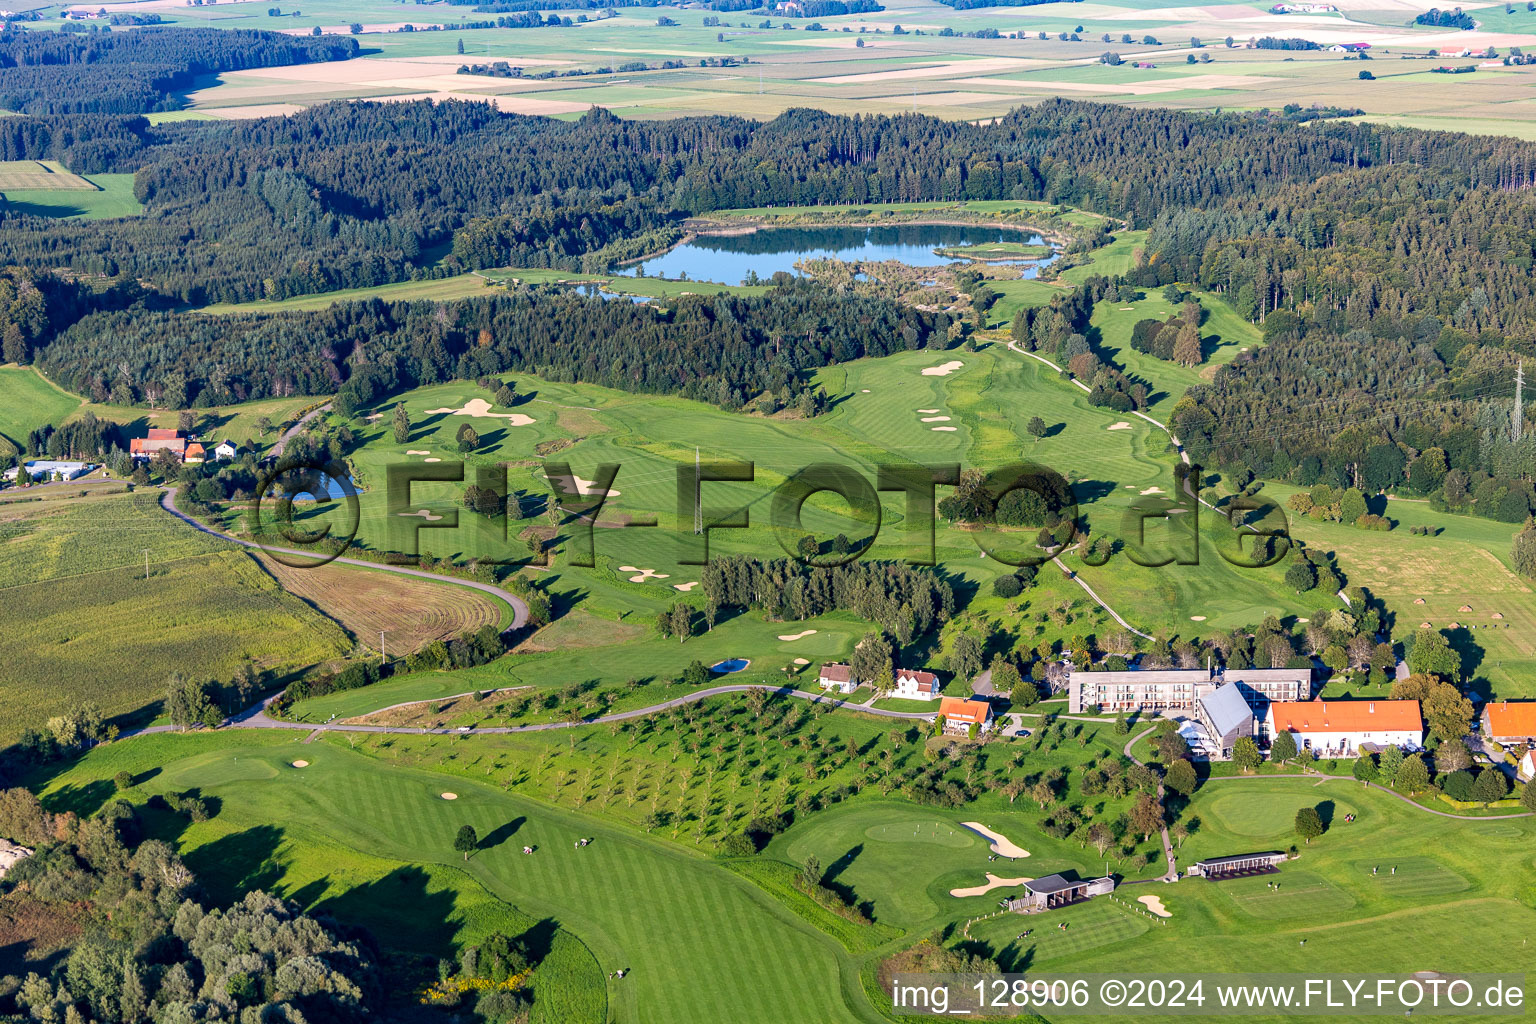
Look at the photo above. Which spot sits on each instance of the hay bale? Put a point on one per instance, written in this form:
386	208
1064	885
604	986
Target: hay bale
1425	625
1465	608
1497	615
1418	600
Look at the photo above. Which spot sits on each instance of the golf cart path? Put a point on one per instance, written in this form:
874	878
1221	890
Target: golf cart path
518	605
256	717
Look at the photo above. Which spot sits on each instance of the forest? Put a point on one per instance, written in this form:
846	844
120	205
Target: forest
109	72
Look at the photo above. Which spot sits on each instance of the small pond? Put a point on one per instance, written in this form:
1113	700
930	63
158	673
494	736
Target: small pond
729	259
726	667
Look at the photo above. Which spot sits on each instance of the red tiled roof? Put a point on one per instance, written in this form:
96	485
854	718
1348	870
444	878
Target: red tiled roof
836	673
927	680
164	434
1312	716
964	712
1511	719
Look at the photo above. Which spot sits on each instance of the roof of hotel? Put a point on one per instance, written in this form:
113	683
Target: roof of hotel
1346	715
1228	708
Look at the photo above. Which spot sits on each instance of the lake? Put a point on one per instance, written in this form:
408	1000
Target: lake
729	259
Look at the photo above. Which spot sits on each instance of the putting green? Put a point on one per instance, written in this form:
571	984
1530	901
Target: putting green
1088	926
1254	809
1415	876
934	833
1300	894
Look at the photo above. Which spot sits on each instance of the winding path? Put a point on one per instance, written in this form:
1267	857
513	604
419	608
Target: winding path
1173	867
518	605
298	425
256	717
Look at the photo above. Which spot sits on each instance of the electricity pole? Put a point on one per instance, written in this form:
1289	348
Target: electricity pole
382	659
698	495
1516	424
146	563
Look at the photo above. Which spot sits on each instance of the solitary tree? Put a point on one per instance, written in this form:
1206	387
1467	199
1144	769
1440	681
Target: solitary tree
1309	824
1036	427
1412	775
965	659
402	424
466	841
1146	815
1528	796
1181	777
1365	769
1245	754
1283	748
1301	576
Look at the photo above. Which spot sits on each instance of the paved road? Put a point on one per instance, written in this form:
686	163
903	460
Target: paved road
291	432
518	605
256	717
1376	786
1172	874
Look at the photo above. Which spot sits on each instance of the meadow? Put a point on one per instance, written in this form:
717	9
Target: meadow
44	188
28	401
88	625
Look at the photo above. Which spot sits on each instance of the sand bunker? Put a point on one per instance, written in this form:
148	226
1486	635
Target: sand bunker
421	513
1154	904
417	451
943	369
993	882
432	460
450	796
1122	425
1153	490
1000	844
802	661
864	391
797	636
935	419
301	764
948	430
1197	618
479	408
685	587
927	410
643	574
574	486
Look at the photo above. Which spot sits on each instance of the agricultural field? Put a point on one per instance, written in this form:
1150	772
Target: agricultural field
412	612
889	62
89	625
44	188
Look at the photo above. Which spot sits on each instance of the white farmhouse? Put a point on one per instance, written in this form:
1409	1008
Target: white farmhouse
1336	728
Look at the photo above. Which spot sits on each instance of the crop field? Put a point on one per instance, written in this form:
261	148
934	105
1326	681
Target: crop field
413	612
891	61
88	625
39	175
28	401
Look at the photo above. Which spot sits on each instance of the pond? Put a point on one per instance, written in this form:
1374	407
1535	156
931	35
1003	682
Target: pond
727	667
590	290
729	259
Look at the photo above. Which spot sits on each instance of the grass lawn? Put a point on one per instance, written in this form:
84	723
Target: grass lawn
239	423
28	401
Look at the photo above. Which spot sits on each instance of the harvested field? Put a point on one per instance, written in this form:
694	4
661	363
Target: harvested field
39	174
414	612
